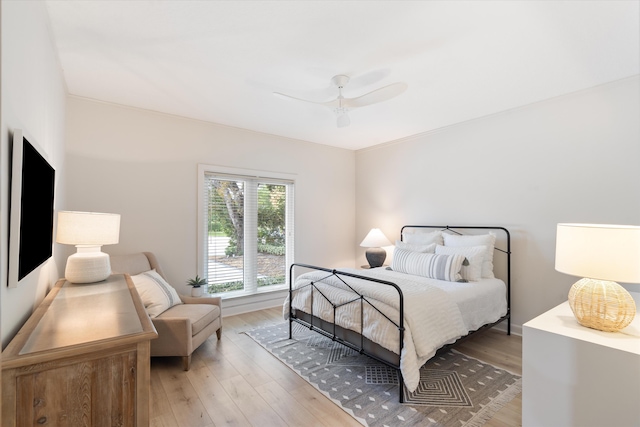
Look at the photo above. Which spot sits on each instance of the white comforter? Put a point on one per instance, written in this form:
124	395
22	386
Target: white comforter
432	318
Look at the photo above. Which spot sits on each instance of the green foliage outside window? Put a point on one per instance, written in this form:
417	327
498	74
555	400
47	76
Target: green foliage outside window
226	216
226	219
239	284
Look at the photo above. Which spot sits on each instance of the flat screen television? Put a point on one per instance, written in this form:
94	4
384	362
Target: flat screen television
31	207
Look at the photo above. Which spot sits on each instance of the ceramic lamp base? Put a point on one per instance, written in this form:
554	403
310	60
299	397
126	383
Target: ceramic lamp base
375	256
88	265
602	305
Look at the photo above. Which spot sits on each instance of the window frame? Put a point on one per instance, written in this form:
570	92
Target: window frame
244	174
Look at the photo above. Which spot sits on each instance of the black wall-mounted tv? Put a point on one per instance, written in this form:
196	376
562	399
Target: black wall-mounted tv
31	207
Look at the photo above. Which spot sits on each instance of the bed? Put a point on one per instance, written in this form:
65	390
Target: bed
445	284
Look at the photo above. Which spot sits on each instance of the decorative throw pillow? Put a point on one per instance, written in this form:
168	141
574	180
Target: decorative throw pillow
416	236
415	248
156	294
471	272
488	240
441	267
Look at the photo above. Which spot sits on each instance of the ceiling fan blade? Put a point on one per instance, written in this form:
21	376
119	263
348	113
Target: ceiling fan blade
333	103
282	95
363	80
378	95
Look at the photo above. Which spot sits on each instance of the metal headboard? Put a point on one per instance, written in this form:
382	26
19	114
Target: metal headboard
458	229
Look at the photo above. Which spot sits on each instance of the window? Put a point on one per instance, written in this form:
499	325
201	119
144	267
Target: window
246	232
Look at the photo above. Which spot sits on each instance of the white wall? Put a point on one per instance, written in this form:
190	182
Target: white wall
573	158
143	165
33	99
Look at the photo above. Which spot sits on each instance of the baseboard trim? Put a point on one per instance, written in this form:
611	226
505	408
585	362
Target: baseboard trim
515	329
241	305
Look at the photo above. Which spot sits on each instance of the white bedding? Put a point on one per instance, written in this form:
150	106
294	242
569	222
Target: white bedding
436	312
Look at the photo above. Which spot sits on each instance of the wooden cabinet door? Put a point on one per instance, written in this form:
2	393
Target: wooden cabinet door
88	392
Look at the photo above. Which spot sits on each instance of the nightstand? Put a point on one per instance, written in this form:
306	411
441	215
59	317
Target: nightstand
577	376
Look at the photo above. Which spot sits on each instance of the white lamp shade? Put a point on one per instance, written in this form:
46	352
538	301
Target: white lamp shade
88	228
375	239
599	251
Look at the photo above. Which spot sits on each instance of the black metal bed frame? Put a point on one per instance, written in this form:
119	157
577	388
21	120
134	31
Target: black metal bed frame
340	335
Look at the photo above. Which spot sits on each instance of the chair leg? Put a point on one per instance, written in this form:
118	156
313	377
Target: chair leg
186	362
219	332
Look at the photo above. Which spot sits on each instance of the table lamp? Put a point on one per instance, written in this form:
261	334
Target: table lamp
603	255
88	231
373	241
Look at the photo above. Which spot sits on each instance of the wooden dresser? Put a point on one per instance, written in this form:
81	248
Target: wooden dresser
82	359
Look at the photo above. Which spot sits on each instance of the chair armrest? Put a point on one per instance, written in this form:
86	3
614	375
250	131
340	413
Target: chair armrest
174	337
180	325
202	300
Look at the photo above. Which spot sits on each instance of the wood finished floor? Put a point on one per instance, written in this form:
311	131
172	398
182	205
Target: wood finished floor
235	382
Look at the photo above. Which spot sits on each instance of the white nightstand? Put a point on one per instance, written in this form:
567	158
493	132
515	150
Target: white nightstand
577	376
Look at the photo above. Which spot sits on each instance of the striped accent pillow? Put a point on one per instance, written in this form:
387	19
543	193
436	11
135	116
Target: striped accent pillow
474	254
156	294
441	267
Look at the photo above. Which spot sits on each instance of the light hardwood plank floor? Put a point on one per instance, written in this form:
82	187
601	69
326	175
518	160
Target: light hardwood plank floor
234	382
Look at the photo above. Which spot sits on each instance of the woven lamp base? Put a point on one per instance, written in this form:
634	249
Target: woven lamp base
602	305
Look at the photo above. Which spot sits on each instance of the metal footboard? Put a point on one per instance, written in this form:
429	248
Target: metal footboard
315	323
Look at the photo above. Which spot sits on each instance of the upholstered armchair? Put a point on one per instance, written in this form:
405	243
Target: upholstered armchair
182	327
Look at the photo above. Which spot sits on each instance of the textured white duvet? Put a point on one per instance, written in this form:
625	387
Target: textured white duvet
435	312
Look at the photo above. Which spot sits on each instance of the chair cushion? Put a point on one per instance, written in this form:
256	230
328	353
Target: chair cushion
200	314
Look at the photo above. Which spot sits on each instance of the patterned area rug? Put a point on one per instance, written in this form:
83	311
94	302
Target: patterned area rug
455	390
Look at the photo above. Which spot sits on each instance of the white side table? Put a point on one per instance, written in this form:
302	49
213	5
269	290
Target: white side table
577	376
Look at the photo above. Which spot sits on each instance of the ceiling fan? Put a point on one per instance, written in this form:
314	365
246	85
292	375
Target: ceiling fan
341	105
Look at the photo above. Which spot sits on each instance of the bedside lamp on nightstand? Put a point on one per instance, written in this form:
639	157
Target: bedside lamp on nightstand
88	231
602	254
373	241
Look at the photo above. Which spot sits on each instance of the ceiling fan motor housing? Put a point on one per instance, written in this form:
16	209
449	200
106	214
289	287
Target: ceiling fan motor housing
340	80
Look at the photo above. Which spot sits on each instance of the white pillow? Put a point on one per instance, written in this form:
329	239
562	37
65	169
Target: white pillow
488	240
441	267
474	254
416	248
417	236
156	294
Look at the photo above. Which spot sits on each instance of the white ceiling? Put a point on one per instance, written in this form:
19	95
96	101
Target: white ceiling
220	61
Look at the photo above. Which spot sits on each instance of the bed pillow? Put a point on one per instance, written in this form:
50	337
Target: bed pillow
416	248
416	236
472	271
156	294
441	267
488	240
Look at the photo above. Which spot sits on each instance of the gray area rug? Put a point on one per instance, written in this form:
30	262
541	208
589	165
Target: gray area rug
455	390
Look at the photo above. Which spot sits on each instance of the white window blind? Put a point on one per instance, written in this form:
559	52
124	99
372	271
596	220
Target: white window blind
246	232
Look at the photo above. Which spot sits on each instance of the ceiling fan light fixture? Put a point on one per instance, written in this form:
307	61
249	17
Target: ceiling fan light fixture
343	119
